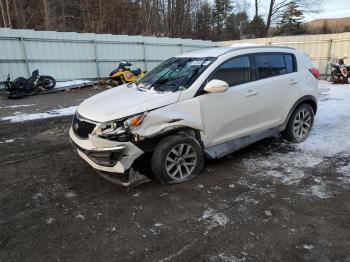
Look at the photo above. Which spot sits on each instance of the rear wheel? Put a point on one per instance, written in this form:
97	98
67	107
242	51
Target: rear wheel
48	82
300	124
177	158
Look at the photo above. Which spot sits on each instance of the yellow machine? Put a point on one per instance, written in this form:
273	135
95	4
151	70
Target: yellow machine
123	74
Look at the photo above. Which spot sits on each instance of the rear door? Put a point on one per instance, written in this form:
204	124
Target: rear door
277	86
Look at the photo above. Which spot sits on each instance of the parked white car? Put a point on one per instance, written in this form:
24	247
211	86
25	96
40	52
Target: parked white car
205	103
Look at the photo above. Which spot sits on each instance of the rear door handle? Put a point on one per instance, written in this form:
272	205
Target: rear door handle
251	93
293	82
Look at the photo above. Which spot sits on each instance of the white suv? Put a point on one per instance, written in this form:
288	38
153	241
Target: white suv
205	103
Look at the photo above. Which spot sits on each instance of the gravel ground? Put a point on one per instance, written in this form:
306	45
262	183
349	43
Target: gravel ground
271	201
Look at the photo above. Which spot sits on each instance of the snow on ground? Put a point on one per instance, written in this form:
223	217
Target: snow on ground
49	114
329	138
331	131
7	141
72	83
214	218
16	106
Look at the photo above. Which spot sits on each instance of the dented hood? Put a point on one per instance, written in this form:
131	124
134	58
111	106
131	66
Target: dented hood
123	101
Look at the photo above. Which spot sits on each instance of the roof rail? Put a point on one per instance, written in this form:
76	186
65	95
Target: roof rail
257	46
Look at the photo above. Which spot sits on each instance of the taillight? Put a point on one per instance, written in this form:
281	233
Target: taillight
315	72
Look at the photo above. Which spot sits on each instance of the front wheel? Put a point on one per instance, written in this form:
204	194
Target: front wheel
300	124
177	158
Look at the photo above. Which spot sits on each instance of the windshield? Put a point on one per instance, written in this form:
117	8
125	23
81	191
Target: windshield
174	74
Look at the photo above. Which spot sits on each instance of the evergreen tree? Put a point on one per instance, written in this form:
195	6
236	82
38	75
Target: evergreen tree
222	9
256	27
291	20
204	21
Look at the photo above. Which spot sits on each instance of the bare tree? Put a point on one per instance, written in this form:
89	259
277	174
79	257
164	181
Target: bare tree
3	13
277	7
8	13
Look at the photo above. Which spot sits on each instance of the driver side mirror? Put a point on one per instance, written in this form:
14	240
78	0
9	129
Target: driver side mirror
216	86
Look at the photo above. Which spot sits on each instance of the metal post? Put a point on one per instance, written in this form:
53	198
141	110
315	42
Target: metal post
182	48
328	55
144	54
24	54
96	60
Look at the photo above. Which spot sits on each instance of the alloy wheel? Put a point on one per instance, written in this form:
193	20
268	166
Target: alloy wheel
181	161
302	124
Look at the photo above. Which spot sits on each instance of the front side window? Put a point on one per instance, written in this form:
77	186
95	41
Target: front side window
234	71
269	65
175	74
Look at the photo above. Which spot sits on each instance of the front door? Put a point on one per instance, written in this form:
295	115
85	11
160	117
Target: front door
234	113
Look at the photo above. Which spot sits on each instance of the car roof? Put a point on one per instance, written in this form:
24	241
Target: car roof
218	51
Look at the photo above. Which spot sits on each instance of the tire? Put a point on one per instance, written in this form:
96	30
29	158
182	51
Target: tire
345	80
47	82
168	168
299	124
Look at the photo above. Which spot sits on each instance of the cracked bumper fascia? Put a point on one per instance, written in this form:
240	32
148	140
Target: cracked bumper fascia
93	144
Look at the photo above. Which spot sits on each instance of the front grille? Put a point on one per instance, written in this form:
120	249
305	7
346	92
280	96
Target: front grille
82	128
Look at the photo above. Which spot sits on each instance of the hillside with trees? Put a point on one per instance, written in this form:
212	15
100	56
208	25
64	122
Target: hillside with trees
197	19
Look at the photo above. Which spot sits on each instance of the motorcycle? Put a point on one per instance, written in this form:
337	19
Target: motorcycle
123	74
340	72
21	86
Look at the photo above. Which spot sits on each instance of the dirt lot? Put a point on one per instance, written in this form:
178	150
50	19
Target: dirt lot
268	202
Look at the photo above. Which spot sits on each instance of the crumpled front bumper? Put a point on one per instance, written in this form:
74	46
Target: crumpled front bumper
105	155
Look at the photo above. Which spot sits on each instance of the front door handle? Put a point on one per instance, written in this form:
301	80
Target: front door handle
251	93
293	82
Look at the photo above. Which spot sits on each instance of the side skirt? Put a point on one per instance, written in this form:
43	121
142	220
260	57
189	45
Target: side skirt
234	145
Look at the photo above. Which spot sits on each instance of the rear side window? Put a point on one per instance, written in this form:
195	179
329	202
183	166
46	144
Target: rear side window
269	65
234	71
290	64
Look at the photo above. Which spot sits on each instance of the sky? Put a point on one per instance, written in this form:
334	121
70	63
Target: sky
329	9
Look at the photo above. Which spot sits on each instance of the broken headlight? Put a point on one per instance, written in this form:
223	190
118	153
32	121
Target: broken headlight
115	128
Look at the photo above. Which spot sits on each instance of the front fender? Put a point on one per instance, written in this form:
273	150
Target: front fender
182	114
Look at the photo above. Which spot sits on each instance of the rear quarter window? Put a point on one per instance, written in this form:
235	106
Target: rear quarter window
269	64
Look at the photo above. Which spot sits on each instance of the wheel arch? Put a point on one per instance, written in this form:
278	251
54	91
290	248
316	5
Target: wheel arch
308	99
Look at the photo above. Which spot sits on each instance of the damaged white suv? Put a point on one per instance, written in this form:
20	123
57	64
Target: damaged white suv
205	103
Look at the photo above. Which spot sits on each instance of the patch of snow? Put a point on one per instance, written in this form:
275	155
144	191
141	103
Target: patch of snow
80	216
50	220
73	83
332	122
215	219
238	45
8	141
231	186
319	191
49	114
308	247
224	258
70	194
344	170
15	106
328	138
286	167
158	224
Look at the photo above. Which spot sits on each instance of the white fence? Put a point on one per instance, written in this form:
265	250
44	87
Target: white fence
320	48
91	56
83	56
